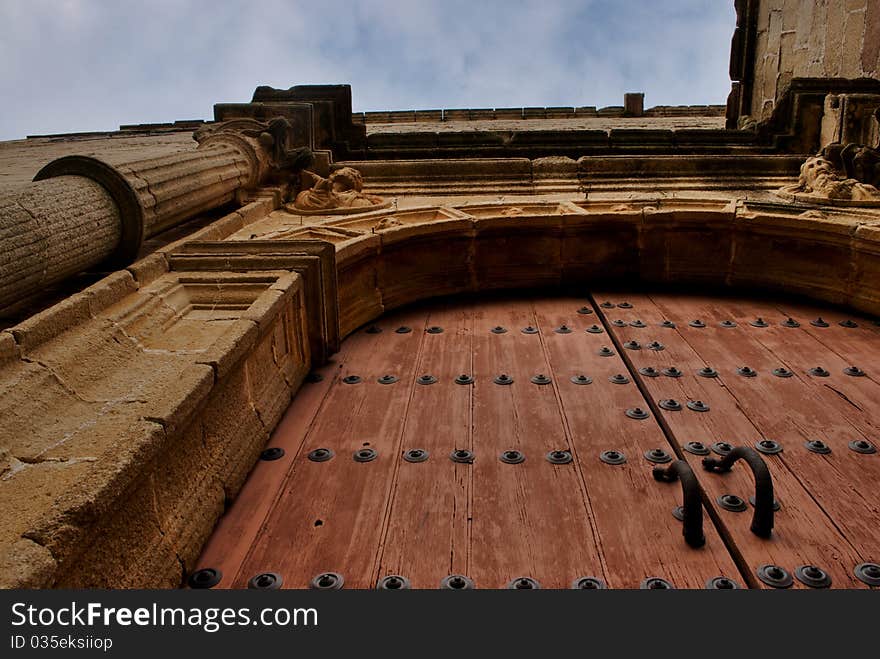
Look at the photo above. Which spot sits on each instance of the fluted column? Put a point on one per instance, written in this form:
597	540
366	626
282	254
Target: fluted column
52	230
80	211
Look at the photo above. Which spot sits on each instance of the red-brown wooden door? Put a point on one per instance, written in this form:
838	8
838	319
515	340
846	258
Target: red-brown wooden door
500	374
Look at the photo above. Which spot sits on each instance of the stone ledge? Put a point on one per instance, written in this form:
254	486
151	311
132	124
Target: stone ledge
132	505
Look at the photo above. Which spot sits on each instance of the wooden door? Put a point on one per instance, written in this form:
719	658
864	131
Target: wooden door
512	440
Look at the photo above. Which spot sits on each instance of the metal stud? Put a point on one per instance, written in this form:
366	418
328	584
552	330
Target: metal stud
658	456
365	455
498	329
393	582
747	371
862	446
624	305
727	324
722	583
668	324
768	446
854	371
512	457
670	404
819	372
607	305
790	322
732	503
672	372
612	457
426	379
595	329
656	346
697	406
707	372
464	378
699	324
649	371
541	379
696	448
721	448
637	323
205	578
588	583
678	513
415	455
636	413
775	505
632	345
868	573
351	379
817	446
581	379
314	377
585	311
818	322
270	454
618	323
523	583
782	372
655	583
559	457
462	456
403	329
434	329
849	324
321	455
327	581
620	378
812	576
266	581
387	379
563	329
504	378
457	582
774	576
605	351
373	329
759	322
529	330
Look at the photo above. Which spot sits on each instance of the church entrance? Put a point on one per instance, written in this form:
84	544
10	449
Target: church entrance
602	440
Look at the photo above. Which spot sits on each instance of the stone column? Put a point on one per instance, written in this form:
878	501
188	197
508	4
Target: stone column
52	230
81	211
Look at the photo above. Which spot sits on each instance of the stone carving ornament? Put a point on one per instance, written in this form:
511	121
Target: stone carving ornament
340	193
839	175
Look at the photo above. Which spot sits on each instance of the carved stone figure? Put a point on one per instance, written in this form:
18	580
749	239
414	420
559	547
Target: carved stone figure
826	177
341	192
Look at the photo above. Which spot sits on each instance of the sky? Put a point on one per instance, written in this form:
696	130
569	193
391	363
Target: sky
83	65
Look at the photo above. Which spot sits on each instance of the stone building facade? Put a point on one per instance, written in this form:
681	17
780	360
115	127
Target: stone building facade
175	296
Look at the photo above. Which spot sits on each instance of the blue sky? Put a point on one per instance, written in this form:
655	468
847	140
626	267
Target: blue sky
77	65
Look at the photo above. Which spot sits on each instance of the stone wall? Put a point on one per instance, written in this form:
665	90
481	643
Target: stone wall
812	39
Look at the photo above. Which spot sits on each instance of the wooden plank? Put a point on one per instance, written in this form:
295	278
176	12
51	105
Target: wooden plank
638	536
428	530
529	519
328	515
834	348
742	411
240	525
795	411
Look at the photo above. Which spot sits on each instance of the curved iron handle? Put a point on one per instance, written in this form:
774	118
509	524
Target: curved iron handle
762	521
693	504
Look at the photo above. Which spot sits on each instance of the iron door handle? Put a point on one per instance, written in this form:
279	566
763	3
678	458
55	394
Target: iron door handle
692	508
762	520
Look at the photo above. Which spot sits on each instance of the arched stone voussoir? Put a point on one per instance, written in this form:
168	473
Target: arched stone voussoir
390	259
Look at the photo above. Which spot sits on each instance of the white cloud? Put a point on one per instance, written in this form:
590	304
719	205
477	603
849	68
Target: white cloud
93	64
